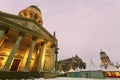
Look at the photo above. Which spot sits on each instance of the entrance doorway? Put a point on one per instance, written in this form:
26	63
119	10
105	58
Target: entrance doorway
15	65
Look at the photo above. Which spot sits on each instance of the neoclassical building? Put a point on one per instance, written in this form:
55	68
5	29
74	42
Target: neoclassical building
74	62
25	45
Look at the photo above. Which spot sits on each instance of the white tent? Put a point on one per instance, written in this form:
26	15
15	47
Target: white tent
62	72
77	69
92	66
71	70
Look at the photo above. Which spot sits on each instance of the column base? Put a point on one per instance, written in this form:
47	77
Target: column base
5	69
19	75
25	70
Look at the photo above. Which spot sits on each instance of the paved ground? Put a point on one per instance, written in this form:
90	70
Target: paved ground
62	78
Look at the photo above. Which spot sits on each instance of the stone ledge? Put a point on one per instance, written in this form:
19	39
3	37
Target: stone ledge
19	75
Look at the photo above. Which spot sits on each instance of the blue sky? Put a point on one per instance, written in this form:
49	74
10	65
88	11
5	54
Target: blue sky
83	27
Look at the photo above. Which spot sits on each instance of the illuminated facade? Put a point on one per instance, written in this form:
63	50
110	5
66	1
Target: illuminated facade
25	45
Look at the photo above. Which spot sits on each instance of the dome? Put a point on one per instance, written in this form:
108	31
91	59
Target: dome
32	12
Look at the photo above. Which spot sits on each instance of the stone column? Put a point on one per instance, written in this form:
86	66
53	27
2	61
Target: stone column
2	31
12	53
30	54
40	57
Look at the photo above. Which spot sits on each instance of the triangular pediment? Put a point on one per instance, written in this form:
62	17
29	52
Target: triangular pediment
26	24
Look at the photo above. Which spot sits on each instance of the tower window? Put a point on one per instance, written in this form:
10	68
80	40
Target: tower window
35	16
39	21
20	14
24	13
31	15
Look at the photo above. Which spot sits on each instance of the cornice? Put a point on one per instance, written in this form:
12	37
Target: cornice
25	23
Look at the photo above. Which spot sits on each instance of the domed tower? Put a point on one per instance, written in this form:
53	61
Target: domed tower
32	12
104	58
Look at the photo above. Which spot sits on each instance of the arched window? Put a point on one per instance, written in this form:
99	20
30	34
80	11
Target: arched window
31	15
35	16
24	13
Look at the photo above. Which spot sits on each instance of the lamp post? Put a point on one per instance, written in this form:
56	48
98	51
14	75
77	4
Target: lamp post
56	52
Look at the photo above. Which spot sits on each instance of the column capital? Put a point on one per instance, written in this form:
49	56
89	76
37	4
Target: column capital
21	34
34	38
45	41
42	43
3	28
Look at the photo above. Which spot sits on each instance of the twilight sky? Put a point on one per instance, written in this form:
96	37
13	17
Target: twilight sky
83	27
